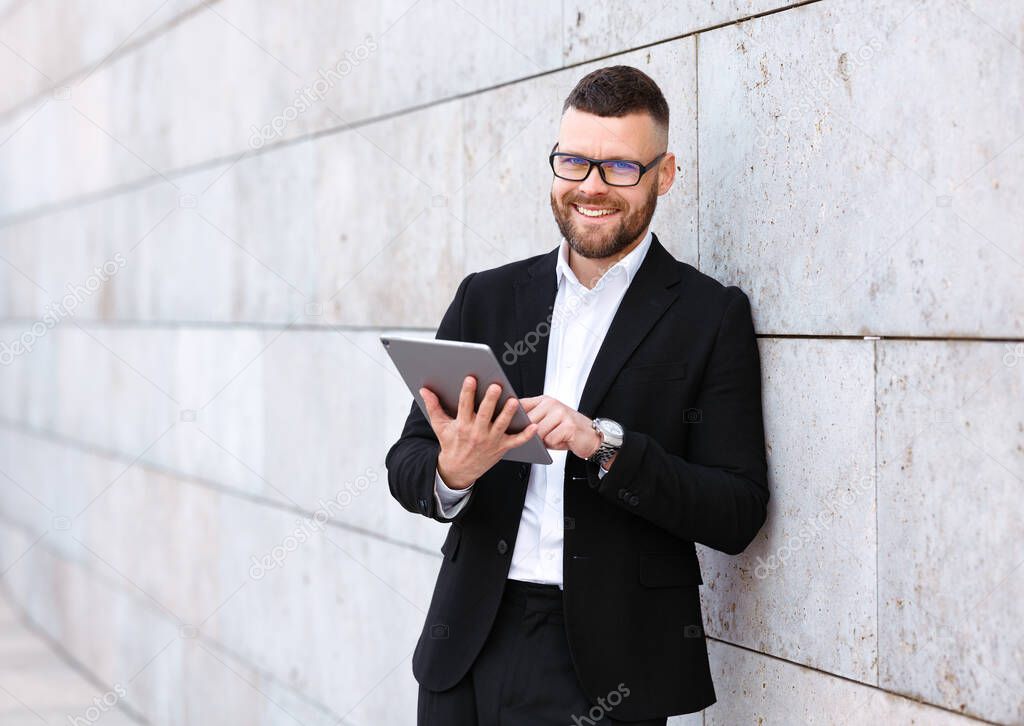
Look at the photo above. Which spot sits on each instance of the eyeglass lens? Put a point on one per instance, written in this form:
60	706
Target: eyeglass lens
575	168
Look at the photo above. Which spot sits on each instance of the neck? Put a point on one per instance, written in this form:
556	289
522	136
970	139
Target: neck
589	270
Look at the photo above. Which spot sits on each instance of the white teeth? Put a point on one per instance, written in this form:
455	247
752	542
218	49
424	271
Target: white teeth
594	213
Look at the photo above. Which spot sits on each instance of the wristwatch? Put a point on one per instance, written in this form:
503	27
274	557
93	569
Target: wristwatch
611	439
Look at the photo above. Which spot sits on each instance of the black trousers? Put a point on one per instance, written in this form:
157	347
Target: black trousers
524	674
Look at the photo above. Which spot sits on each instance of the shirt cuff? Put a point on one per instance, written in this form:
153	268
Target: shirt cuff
601	471
449	501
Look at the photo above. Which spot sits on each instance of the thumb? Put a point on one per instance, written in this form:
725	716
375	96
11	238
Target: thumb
434	410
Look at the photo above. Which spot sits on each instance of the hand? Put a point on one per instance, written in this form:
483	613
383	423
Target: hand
472	442
562	427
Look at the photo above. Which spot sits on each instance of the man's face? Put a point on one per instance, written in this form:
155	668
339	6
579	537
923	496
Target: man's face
633	137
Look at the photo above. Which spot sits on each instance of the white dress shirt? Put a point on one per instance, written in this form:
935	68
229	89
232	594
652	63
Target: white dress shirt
580	320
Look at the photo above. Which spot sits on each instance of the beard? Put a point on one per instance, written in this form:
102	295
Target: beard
602	240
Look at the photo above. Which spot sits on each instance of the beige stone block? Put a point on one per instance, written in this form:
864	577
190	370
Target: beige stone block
950	463
850	191
805	589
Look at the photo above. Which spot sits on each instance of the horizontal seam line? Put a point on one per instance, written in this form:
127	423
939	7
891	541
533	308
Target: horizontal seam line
188	169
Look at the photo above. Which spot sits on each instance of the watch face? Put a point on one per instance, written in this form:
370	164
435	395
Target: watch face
612	427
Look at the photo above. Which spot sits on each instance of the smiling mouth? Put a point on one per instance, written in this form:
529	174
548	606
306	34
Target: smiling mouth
591	212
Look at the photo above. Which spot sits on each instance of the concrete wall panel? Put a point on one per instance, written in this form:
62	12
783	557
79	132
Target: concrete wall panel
215	377
90	33
753	688
950	466
846	191
206	566
593	30
805	589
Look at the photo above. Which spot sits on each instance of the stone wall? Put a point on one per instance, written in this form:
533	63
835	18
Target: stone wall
209	212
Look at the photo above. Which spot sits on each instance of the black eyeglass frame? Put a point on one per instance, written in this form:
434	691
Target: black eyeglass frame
644	168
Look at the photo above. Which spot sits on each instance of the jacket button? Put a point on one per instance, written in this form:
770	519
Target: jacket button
634	500
594	484
502	546
623	493
423	505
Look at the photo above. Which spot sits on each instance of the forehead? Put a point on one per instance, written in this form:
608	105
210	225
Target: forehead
607	137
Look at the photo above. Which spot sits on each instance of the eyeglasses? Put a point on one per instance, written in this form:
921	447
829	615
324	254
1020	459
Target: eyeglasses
614	172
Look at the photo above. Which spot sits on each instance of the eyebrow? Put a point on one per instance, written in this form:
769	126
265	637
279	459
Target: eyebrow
607	158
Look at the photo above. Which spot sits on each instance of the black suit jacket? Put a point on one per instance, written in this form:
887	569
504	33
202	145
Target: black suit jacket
679	368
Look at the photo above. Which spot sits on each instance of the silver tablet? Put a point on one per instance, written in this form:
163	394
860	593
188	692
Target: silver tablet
442	365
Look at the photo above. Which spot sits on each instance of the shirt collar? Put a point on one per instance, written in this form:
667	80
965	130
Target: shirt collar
630	263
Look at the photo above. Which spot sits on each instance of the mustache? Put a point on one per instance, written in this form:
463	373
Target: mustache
594	203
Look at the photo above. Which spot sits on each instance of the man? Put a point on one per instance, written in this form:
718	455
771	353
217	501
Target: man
568	592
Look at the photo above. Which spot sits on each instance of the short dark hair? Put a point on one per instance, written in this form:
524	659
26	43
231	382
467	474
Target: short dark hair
617	91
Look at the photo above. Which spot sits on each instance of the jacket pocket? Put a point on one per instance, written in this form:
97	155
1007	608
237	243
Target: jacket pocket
669	571
450	546
650	372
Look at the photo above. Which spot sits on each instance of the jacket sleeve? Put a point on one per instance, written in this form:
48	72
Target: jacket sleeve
718	495
412	460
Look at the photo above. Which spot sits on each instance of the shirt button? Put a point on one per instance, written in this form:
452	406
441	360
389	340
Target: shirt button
502	546
548	555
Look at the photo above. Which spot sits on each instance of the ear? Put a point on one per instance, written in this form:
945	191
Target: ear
666	173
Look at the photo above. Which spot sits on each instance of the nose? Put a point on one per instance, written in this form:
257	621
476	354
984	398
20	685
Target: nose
593	185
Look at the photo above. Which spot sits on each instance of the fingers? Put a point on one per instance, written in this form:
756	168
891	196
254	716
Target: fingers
522	437
537	407
486	411
562	433
505	417
466	396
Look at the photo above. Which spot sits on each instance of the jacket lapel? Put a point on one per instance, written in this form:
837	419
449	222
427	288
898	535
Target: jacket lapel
645	301
534	303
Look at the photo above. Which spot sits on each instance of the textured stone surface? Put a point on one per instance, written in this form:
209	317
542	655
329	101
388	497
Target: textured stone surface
40	687
90	32
846	189
859	168
805	589
227	70
290	237
181	557
229	408
950	525
592	30
755	689
284	238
